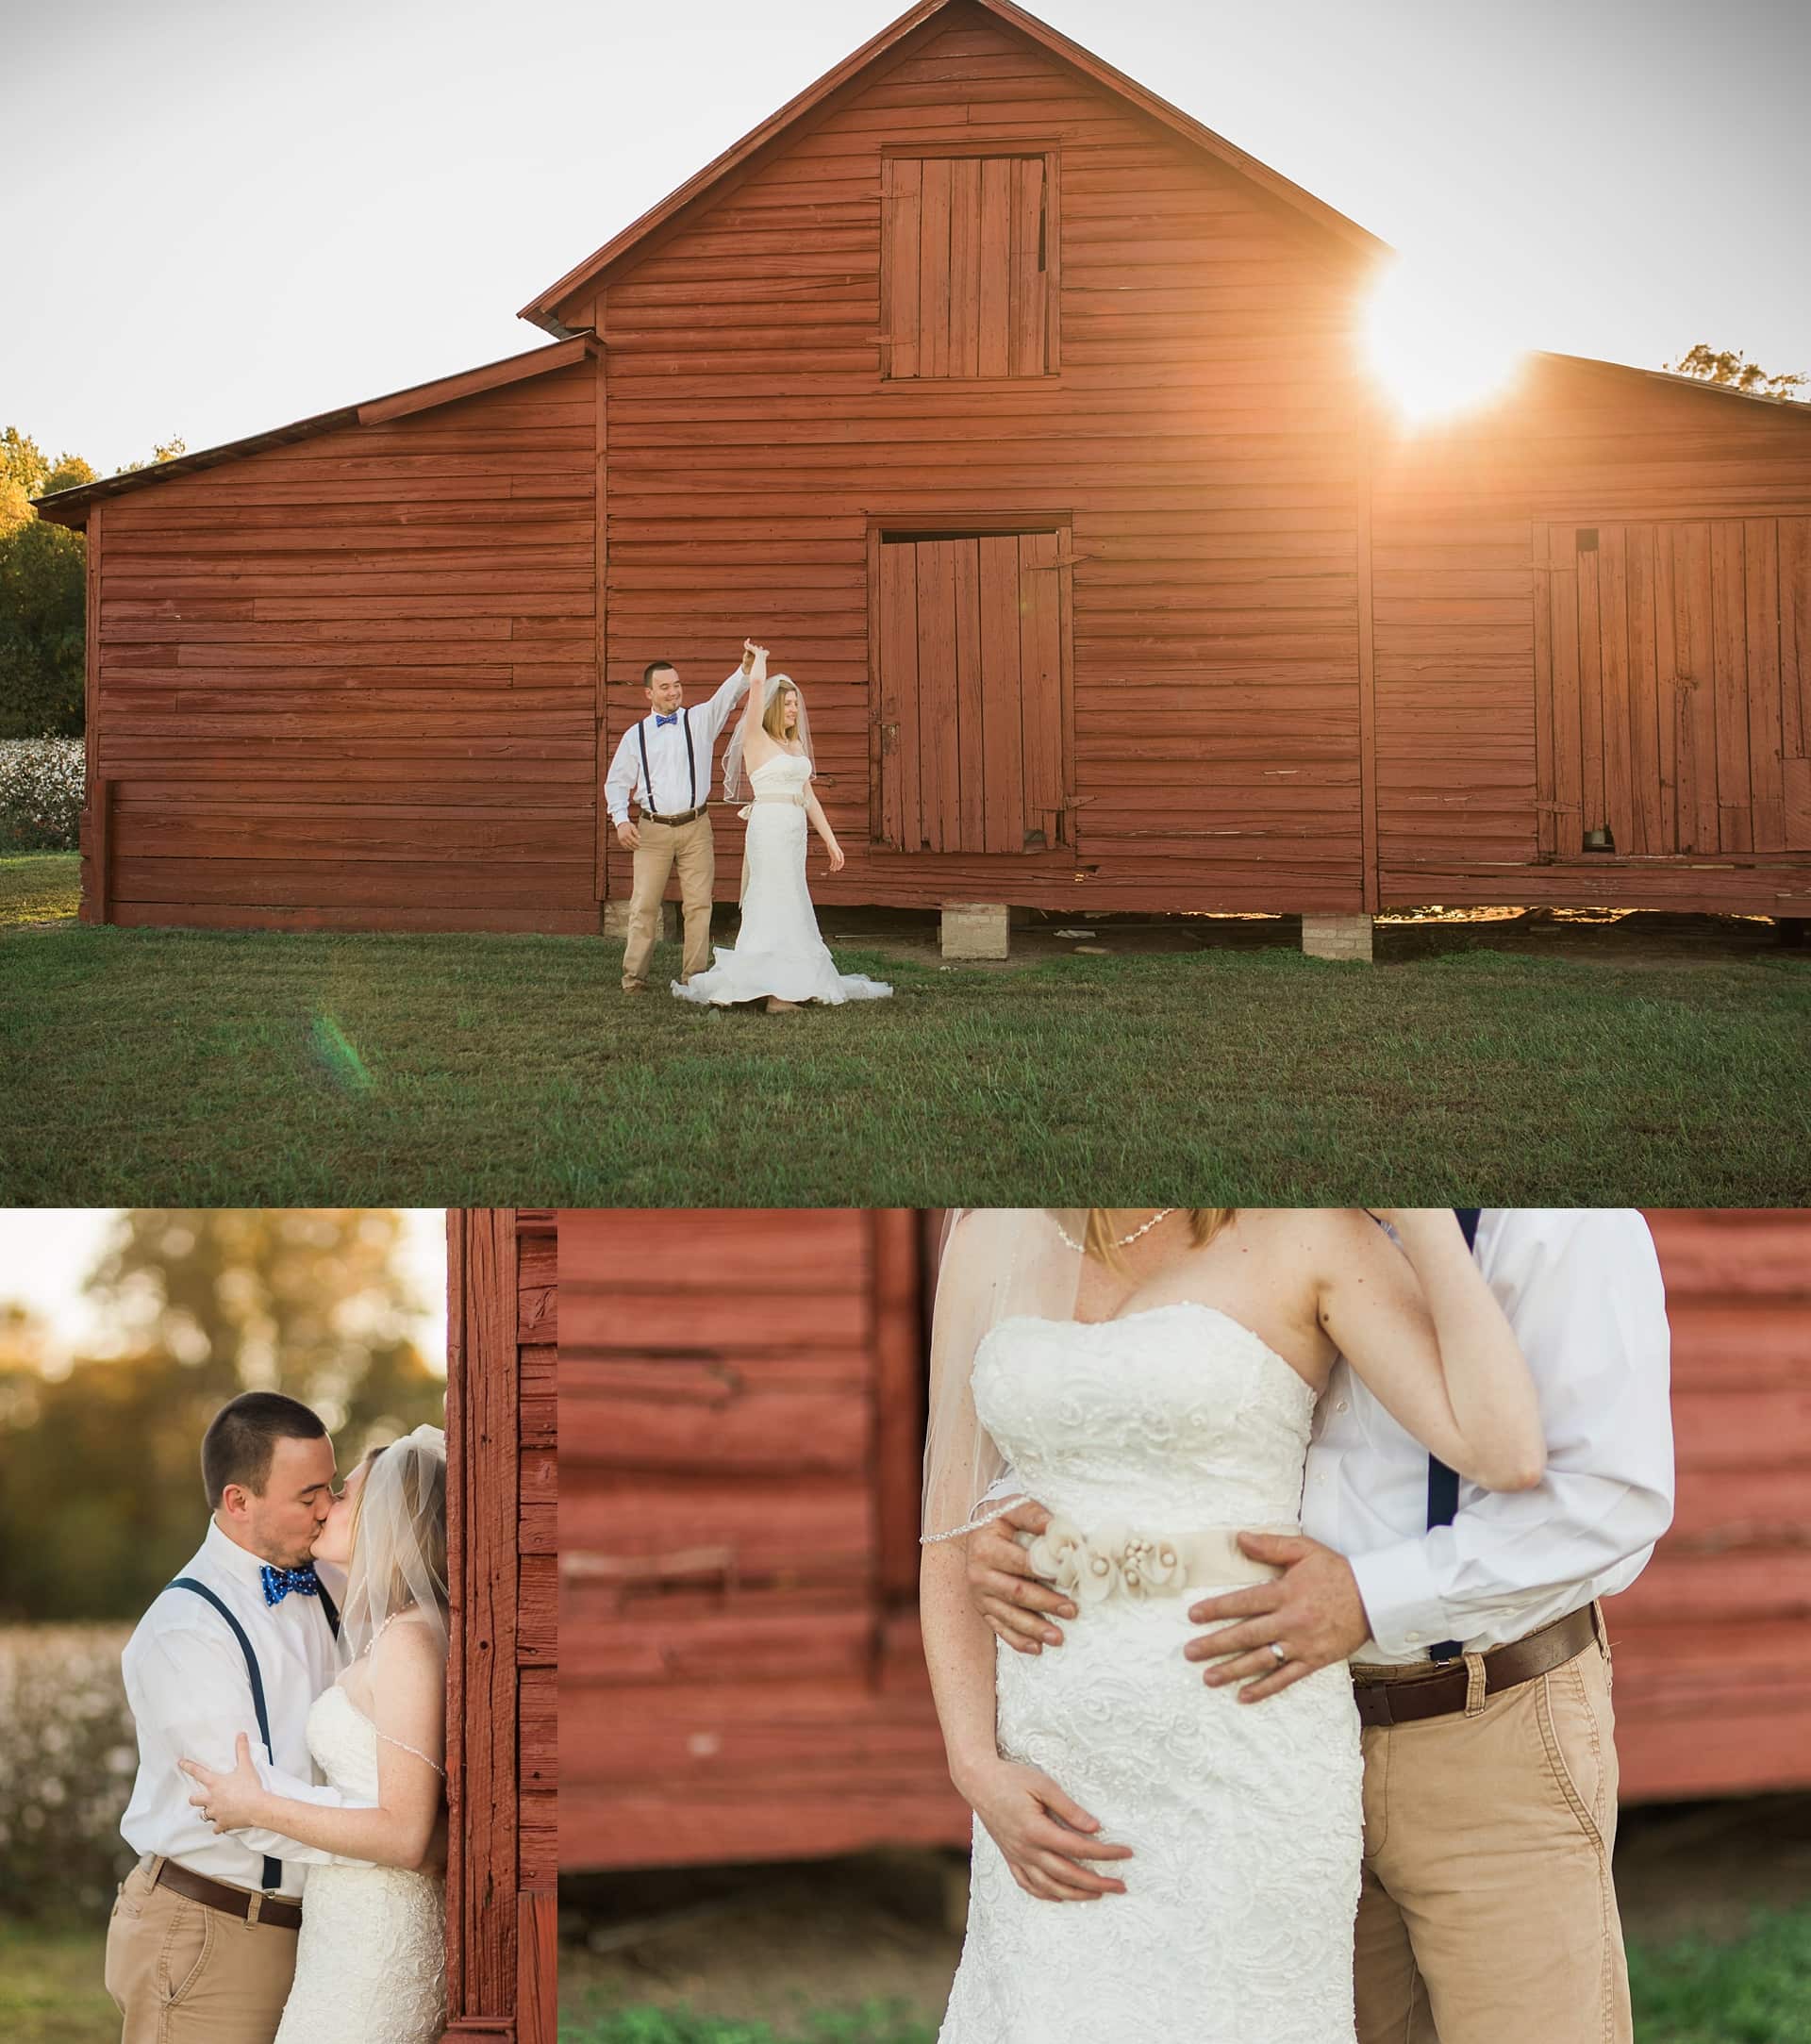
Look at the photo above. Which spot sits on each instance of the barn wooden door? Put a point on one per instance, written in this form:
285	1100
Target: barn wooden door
501	1452
741	1415
969	660
1674	685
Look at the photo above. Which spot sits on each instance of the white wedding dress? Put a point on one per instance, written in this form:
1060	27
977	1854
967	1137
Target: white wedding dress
1245	1820
371	1957
778	950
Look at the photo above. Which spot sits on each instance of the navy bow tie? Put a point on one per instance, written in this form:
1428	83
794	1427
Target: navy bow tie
278	1583
671	717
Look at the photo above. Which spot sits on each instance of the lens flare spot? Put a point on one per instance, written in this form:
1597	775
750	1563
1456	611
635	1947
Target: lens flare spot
337	1057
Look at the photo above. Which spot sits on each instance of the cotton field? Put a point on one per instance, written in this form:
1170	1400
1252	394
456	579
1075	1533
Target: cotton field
66	1759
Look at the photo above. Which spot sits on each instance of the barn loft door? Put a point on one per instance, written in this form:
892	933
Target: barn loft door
1675	686
966	268
969	691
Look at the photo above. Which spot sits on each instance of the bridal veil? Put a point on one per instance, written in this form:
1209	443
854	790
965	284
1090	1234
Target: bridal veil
398	1559
997	1263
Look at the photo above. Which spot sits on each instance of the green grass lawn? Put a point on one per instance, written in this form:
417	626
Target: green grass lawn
50	1985
159	1067
1754	1990
38	887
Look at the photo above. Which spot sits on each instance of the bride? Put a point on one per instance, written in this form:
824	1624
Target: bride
779	951
1149	1378
370	1963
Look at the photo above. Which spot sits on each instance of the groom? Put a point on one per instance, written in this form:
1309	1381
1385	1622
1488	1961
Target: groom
1480	1663
664	763
201	1945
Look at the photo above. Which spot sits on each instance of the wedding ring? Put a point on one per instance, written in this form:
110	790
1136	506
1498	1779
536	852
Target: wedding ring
1282	1658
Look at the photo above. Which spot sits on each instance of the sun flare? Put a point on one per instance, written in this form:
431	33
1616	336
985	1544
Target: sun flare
1435	348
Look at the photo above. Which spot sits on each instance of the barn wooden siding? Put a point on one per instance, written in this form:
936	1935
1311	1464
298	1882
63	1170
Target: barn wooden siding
1029	422
740	1402
502	1669
1713	1639
1591	607
739	1538
1186	467
346	680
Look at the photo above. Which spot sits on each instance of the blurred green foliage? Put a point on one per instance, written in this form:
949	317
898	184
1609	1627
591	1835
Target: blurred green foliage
103	1500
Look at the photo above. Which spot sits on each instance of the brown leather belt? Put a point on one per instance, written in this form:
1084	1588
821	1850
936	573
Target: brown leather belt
685	815
249	1907
1399	1699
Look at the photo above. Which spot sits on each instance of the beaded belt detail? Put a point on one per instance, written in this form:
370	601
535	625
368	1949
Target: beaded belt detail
1126	1562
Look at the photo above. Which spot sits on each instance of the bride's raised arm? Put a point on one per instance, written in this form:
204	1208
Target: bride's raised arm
1422	1330
754	707
408	1707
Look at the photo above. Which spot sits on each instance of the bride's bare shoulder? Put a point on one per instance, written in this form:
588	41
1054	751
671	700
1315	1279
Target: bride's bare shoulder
1324	1234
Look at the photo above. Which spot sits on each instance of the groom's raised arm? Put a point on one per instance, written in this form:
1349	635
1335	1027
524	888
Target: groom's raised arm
192	1699
716	713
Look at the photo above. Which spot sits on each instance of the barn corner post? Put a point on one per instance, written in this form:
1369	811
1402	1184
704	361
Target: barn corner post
499	1886
95	828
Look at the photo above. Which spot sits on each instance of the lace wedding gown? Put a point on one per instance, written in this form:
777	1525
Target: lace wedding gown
371	1957
1245	1820
778	950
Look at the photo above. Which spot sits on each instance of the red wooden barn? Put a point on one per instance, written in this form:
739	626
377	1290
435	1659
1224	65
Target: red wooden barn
1027	420
741	1405
501	1752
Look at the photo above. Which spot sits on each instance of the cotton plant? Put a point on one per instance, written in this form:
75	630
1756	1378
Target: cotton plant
67	1760
40	794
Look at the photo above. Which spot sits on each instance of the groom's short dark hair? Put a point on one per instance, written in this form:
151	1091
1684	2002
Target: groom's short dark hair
242	1435
652	669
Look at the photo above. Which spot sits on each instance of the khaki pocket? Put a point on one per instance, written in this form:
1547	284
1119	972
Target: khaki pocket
1579	1753
186	1946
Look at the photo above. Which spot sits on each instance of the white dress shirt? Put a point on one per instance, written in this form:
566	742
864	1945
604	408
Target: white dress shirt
190	1697
1581	1287
675	791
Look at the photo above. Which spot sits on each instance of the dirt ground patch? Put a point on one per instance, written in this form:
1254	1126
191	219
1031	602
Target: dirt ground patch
766	1944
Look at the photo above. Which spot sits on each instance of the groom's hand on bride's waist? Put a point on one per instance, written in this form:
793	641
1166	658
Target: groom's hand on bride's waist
1313	1612
1016	1604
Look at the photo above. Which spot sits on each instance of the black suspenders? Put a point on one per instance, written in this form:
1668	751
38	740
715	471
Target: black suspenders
647	778
272	1878
1443	1483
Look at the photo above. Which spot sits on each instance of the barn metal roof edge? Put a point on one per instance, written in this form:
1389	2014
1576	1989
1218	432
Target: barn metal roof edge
540	309
70	506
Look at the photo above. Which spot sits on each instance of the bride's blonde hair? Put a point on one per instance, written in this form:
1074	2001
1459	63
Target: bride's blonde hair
1101	1241
774	714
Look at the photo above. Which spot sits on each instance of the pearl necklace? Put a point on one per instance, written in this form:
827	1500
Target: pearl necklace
1124	1240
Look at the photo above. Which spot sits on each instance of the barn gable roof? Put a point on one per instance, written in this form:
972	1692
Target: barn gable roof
772	134
70	506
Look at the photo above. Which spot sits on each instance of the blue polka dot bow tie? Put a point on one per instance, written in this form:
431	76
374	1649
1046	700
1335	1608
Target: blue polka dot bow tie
278	1583
671	717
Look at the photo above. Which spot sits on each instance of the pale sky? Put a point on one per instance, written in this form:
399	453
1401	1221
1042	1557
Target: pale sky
47	1254
222	216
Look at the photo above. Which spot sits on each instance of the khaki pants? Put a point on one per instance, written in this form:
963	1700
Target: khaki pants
183	1973
664	846
1487	1915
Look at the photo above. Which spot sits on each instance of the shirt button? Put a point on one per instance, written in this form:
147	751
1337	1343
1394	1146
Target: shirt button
1413	1639
1321	1479
1339	1405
